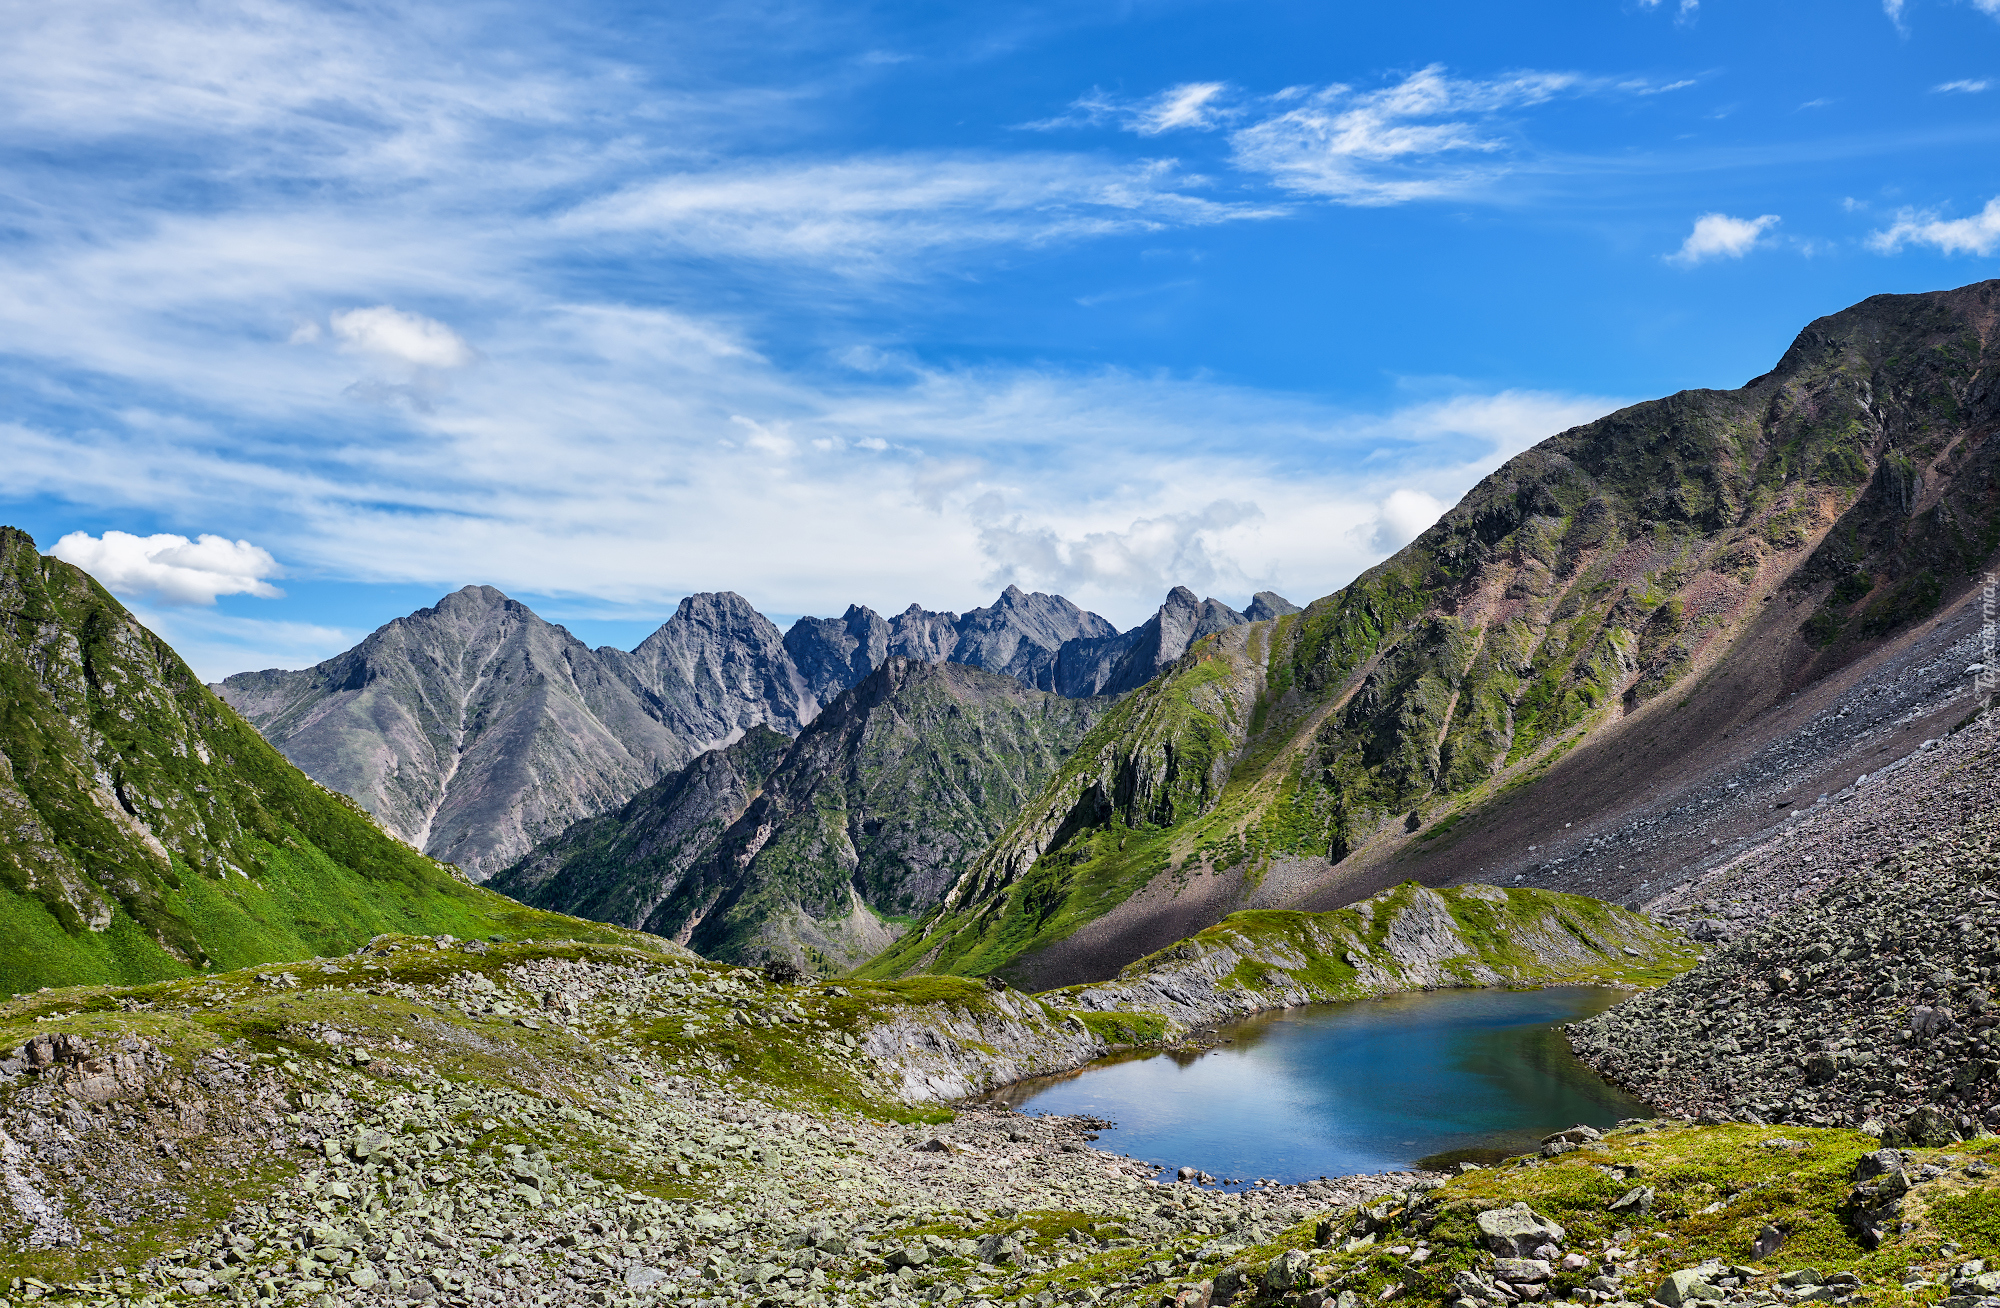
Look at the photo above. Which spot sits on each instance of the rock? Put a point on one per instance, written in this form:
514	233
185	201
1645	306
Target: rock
1576	1135
1869	1166
1927	1128
1522	1271
640	1276
1768	1241
1517	1230
1290	1270
910	1255
1804	1276
1229	1283
1639	1199
1686	1286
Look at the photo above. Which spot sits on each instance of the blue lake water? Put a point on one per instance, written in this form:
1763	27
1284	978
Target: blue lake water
1337	1089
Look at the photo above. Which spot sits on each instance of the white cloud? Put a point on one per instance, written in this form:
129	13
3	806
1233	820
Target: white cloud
1979	234
1894	9
876	214
1718	236
1991	8
1403	516
1191	105
411	338
1419	138
171	569
1966	85
1148	557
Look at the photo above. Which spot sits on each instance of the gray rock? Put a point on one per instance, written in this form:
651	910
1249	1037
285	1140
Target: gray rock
1522	1271
1687	1286
1638	1199
1290	1270
1517	1230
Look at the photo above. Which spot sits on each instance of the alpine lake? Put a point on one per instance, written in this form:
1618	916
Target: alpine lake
1424	1079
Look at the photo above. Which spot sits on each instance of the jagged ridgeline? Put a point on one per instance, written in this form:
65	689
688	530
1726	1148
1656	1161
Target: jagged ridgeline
147	831
821	850
1600	575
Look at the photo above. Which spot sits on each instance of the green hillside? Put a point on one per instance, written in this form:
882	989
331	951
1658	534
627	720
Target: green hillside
146	831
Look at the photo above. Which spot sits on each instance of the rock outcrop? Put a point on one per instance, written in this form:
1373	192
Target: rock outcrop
1409	938
620	867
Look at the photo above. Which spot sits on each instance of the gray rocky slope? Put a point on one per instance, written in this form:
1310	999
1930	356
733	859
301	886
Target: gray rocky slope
473	730
620	866
1853	961
814	850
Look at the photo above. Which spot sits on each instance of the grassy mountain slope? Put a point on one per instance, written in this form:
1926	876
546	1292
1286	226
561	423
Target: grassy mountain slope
1604	575
147	831
862	824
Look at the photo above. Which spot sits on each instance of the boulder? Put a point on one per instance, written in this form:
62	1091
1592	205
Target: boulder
1522	1271
1686	1286
1639	1199
1517	1230
1290	1270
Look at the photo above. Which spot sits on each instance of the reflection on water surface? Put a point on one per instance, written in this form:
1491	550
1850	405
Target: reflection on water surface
1337	1089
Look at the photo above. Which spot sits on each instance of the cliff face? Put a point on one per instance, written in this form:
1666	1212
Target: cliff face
814	850
147	831
1703	555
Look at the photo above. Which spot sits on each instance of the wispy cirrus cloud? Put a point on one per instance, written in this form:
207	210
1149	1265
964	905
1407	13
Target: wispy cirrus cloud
1978	234
1427	135
1423	137
1201	106
1964	86
875	214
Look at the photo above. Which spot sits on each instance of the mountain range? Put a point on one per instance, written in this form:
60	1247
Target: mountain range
1632	652
821	849
475	729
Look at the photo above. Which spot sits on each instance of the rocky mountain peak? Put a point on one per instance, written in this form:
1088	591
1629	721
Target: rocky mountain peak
1266	605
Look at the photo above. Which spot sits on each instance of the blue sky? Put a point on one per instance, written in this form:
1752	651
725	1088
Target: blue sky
324	310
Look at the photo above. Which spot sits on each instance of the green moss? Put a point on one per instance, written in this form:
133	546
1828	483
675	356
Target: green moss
1125	1028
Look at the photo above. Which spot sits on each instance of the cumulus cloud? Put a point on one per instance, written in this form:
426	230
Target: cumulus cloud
388	333
1148	557
1979	234
171	569
1419	138
1404	515
1718	236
